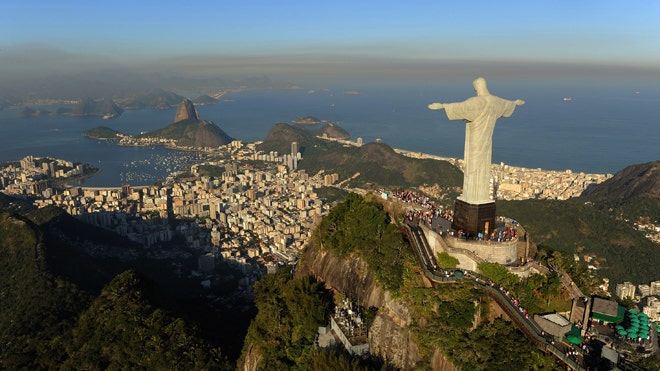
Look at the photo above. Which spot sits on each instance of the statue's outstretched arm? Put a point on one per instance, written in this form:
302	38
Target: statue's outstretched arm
519	102
436	106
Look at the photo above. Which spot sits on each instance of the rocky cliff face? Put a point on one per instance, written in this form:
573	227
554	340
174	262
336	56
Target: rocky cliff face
389	336
186	111
348	275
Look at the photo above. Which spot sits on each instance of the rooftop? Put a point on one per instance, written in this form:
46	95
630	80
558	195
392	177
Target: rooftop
603	306
557	319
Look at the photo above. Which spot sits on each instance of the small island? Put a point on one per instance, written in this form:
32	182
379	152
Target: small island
105	108
29	112
203	100
103	133
307	120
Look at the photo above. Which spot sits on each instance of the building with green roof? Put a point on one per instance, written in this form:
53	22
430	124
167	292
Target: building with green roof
608	311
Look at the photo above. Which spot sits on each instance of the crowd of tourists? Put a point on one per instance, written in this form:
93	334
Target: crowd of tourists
515	302
423	209
497	235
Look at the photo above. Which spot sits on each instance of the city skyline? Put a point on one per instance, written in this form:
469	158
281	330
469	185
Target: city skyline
325	40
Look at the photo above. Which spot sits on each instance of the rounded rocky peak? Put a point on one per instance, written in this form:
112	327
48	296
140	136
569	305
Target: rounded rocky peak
186	111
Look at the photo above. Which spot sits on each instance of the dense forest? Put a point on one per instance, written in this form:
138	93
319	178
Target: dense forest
48	323
283	334
575	226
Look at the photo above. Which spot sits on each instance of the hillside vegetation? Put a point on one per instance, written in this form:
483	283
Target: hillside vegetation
376	163
633	194
283	334
35	304
446	317
573	226
102	133
65	238
46	322
331	130
360	226
290	312
121	329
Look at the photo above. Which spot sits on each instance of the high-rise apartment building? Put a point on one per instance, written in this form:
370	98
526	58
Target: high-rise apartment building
625	290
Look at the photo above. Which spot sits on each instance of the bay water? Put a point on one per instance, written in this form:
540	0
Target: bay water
601	127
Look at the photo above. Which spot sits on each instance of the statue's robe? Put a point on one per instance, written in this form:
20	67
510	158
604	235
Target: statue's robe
480	114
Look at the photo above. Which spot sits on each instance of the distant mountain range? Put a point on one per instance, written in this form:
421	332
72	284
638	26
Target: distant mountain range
86	107
154	98
122	85
109	108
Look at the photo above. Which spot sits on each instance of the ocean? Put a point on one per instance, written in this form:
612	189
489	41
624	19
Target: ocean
603	128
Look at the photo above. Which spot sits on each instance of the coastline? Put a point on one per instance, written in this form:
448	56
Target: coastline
68	182
518	183
454	161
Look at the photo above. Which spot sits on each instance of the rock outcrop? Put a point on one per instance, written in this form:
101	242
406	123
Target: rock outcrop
389	336
189	130
186	111
348	275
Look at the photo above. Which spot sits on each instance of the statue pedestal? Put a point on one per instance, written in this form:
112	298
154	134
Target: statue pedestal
474	218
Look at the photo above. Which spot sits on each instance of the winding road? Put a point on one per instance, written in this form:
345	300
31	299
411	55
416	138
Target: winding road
527	326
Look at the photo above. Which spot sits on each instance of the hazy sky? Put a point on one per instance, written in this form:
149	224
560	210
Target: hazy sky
306	37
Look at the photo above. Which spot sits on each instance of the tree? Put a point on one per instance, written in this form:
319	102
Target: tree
122	329
361	226
447	261
289	314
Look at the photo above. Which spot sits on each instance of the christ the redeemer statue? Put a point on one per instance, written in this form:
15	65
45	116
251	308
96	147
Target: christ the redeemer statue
480	114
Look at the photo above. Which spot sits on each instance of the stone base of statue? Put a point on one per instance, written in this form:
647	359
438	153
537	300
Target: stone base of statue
473	218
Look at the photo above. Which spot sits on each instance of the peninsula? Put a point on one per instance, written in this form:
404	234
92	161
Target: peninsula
187	132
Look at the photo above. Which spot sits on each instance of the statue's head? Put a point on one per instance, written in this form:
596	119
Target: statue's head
480	86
